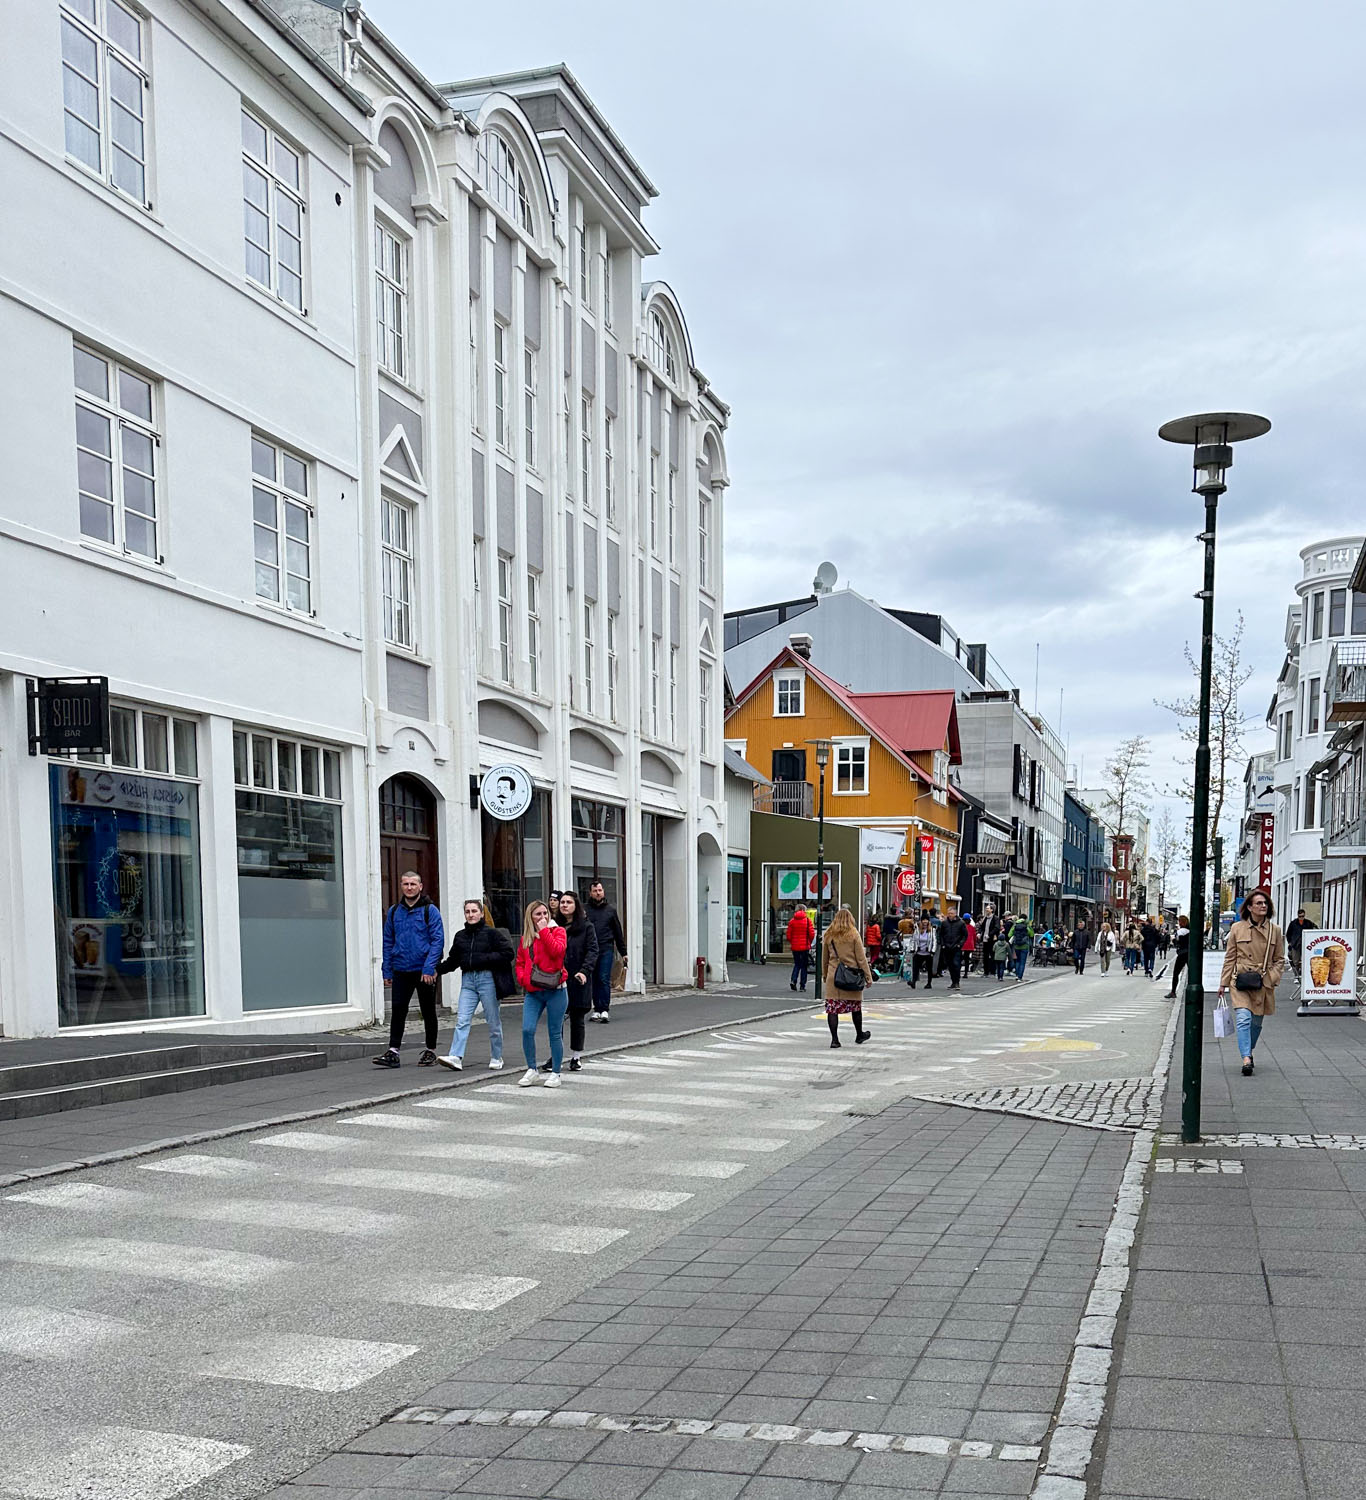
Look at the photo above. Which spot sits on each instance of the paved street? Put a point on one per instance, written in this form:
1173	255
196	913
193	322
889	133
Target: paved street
220	1319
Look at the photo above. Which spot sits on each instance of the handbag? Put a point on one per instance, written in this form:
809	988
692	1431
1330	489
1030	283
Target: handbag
848	978
1249	979
544	979
1223	1019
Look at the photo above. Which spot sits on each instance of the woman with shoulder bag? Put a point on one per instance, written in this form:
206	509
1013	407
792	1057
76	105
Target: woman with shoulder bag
1254	961
580	960
541	975
480	951
847	975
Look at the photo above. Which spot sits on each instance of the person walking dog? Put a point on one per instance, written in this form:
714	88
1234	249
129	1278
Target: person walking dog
611	941
1254	961
483	954
413	940
541	975
847	974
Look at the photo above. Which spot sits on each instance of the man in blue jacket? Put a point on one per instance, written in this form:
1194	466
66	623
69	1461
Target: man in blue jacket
413	944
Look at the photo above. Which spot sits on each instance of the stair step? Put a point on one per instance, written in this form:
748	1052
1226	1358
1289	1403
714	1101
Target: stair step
28	1078
147	1085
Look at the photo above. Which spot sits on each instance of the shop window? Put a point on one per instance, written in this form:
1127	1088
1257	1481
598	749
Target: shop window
599	845
516	862
291	911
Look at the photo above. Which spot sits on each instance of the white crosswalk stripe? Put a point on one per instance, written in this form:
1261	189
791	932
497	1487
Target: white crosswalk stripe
308	1362
125	1463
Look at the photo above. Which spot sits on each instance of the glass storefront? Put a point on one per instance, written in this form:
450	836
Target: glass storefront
126	883
515	863
291	908
651	855
788	886
599	833
737	882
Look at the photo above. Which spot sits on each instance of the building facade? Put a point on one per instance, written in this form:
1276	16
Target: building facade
308	297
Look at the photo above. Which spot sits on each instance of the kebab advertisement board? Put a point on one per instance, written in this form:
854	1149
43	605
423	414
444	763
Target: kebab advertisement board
1329	971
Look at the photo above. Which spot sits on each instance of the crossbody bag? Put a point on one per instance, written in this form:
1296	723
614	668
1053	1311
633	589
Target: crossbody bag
1248	980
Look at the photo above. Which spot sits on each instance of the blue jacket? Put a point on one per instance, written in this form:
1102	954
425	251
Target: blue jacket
413	938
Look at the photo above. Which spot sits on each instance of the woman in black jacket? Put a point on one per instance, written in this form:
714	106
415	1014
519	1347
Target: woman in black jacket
580	959
483	954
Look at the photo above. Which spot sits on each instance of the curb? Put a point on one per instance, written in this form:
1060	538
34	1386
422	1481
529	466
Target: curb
202	1137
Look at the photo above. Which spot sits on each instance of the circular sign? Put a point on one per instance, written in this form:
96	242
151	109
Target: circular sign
505	792
867	882
905	882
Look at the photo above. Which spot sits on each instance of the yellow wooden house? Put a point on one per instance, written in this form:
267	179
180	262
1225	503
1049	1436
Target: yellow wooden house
888	771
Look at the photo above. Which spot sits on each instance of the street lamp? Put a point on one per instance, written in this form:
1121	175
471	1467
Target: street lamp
822	749
1212	436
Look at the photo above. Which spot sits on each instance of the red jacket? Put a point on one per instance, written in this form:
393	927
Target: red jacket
801	933
547	952
872	936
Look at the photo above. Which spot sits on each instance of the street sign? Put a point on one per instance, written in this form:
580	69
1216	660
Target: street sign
68	713
906	882
985	861
927	843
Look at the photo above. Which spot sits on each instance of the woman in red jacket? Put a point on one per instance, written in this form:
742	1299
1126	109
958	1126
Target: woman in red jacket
540	972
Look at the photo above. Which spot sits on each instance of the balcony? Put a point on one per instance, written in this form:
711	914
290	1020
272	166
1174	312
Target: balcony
1345	689
793	799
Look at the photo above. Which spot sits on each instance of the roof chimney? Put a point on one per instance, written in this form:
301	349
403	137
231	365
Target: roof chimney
801	644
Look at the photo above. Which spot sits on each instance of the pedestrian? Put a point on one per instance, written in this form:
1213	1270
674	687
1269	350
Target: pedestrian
541	975
1183	932
1254	961
988	930
1081	941
1000	956
922	952
1164	939
1147	937
483	954
801	938
1294	939
1132	943
1021	940
580	962
847	974
953	933
1105	945
413	940
872	938
611	943
969	942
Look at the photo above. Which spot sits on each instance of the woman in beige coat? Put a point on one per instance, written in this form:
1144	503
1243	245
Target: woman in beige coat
844	946
1255	946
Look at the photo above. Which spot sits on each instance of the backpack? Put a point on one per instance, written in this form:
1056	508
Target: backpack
1019	935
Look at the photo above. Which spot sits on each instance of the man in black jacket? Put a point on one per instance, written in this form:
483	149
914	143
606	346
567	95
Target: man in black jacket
953	933
611	941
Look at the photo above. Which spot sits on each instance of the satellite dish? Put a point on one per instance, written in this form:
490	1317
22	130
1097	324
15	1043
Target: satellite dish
826	577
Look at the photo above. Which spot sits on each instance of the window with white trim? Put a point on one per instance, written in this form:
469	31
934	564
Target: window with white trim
586	451
397	522
787	695
104	92
476	369
609	473
116	454
704	540
585	278
273	196
502	178
607	290
568	414
671	511
653	502
146	739
391	301
533	627
282	525
267	762
502	419
589	687
704	675
505	619
612	666
673	692
941	776
529	384
654	687
851	768
659	349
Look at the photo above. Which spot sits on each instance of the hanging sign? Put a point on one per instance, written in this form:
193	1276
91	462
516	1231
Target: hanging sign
505	792
1267	849
906	882
68	713
927	843
867	882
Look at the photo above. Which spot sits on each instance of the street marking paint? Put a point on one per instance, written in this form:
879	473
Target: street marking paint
125	1463
717	1169
191	1164
757	1143
382	1121
641	1201
307	1362
576	1132
310	1140
442	1184
490	1151
222	1269
570	1239
40	1332
471	1294
482	1106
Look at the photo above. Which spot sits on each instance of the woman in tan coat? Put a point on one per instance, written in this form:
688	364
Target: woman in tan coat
1256	947
844	946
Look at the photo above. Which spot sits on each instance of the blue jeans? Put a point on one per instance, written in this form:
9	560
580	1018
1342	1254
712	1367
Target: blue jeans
602	979
801	965
1021	959
1249	1028
554	1003
476	989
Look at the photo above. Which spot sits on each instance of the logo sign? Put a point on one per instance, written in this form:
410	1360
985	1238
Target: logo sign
867	882
927	843
505	792
68	713
906	882
1329	972
985	861
1267	849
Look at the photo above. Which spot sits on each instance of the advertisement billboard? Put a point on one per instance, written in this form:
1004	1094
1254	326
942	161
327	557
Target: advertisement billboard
1329	972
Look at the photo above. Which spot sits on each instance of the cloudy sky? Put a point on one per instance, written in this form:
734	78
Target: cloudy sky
953	264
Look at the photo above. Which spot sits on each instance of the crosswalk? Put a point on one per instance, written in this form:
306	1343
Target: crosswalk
345	1265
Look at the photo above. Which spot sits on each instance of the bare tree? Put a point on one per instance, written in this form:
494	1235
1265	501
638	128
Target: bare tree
1169	850
1226	723
1126	784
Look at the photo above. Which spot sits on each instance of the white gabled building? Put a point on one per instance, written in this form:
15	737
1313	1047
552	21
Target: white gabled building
362	459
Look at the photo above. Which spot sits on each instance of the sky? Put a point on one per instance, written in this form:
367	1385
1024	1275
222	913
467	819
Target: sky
952	266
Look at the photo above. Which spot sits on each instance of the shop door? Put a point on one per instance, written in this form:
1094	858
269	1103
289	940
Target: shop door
650	856
407	837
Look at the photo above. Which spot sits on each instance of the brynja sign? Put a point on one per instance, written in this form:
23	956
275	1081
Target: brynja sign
1266	850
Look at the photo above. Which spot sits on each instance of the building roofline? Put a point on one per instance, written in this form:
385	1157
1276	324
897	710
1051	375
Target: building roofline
396	53
283	29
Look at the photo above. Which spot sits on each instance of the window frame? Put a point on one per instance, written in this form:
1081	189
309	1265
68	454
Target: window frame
612	665
501	175
673	693
654	686
277	189
398	568
393	259
589	655
476	368
98	33
585	270
853	750
533	628
180	769
120	421
531	375
1337	610
1315	695
704	691
502	418
789	679
325	760
659	349
284	499
609	467
586	448
505	628
671	513
704	541
1316	613
652	503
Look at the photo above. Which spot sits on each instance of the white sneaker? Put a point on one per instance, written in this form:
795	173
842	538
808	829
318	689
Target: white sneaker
528	1078
495	1063
451	1061
552	1080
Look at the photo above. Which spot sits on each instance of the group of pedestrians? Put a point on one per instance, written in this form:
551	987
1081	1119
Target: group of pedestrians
562	966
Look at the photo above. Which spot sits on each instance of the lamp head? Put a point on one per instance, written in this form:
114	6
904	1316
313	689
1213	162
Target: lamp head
822	749
1212	435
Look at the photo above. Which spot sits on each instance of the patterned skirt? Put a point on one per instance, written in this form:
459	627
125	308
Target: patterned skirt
840	1005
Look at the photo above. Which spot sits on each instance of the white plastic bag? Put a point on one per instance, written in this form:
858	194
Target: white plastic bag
1223	1019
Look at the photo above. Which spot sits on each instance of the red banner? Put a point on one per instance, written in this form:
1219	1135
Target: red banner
1267	848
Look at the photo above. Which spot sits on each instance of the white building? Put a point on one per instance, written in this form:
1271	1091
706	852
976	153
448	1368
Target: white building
432	335
1326	614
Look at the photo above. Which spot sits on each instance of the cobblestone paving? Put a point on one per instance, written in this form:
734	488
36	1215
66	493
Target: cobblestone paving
1105	1103
1250	1140
1184	1164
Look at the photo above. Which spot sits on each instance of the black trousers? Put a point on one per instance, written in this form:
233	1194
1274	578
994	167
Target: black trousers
952	960
578	1029
923	961
1182	958
400	997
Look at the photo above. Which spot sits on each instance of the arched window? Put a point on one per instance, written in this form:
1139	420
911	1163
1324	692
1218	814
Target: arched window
503	179
659	349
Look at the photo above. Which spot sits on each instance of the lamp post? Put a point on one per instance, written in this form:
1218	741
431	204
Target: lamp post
1212	436
822	749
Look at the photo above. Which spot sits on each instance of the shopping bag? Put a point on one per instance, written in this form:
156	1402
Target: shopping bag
1223	1019
618	974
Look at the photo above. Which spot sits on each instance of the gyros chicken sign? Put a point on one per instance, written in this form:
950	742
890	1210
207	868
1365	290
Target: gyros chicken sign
1329	969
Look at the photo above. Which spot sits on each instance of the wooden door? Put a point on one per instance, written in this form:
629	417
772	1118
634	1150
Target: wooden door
407	837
